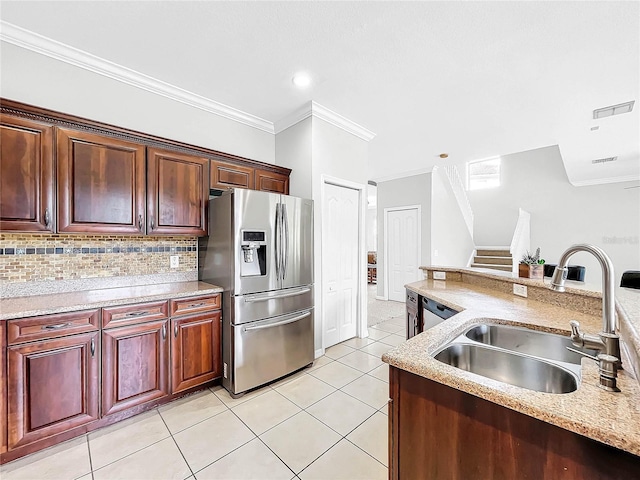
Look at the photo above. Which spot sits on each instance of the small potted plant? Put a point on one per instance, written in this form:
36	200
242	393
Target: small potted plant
531	266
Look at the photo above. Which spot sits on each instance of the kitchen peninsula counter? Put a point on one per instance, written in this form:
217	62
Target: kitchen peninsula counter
610	418
35	305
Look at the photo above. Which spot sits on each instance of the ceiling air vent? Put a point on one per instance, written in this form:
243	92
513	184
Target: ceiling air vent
613	110
605	160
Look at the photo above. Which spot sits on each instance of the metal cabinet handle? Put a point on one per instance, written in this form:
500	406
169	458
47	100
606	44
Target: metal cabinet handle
164	331
47	218
136	314
93	347
153	223
175	330
140	222
56	326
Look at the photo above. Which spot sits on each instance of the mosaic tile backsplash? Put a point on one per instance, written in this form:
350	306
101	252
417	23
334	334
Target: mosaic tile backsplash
35	257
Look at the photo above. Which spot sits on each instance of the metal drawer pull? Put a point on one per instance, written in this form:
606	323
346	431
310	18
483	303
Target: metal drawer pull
56	327
93	348
284	322
264	298
194	305
137	314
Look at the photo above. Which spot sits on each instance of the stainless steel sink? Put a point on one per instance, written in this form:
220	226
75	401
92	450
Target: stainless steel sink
514	369
522	340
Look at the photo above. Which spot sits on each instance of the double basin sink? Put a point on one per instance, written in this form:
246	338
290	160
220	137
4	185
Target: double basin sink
518	356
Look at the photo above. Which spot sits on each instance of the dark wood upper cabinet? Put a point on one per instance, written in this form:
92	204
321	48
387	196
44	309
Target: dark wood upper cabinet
226	175
52	387
26	175
195	350
177	193
272	182
101	184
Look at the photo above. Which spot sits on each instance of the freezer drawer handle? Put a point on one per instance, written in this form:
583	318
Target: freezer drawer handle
264	298
284	322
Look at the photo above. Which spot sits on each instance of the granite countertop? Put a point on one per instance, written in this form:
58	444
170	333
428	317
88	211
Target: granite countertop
21	307
611	418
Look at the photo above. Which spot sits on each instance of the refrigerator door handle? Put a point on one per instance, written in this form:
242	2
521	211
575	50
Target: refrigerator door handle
278	324
285	255
277	241
263	298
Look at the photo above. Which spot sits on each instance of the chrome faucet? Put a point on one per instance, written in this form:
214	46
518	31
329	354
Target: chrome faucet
607	341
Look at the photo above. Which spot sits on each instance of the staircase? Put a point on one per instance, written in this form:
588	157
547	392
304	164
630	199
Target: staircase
496	258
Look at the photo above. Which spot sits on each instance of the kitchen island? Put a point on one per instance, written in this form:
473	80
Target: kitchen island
449	423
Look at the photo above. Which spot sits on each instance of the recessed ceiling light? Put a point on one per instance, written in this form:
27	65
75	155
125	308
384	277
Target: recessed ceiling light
613	110
301	80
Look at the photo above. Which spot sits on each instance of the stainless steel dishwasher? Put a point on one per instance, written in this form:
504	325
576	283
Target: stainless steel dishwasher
434	313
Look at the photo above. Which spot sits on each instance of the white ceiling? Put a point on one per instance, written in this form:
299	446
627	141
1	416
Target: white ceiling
473	79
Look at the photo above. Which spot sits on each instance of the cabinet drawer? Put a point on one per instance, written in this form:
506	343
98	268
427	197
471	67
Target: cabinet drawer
195	304
52	326
132	314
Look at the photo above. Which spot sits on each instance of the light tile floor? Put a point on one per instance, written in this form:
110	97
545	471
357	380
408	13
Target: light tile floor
324	422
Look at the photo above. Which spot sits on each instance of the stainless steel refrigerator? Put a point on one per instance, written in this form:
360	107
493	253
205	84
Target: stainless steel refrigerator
260	250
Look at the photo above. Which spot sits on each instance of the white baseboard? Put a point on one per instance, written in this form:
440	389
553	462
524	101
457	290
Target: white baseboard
319	353
378	297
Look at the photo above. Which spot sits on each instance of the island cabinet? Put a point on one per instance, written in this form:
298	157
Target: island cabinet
52	375
196	342
177	193
101	184
26	175
135	355
438	432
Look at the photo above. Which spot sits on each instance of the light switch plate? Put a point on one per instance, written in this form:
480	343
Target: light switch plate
174	261
520	290
439	275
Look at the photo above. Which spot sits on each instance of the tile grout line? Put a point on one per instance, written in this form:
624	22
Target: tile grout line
176	443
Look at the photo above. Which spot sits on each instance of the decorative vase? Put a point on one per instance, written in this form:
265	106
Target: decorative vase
531	271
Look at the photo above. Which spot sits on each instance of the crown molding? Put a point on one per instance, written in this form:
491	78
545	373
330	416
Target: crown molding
51	48
316	110
601	181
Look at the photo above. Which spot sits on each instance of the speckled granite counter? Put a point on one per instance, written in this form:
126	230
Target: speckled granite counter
20	307
611	418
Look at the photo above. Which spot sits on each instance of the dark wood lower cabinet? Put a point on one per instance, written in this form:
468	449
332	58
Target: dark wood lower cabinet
438	432
3	387
135	365
52	387
195	350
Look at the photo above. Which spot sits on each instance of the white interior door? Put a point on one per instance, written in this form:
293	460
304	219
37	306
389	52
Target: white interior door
340	214
403	250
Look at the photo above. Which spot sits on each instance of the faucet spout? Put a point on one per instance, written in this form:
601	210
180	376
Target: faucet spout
608	303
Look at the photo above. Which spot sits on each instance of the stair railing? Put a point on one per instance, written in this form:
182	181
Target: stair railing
460	194
521	241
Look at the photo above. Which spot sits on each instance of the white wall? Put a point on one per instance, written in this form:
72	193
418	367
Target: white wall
372	229
561	215
451	241
39	80
293	150
413	190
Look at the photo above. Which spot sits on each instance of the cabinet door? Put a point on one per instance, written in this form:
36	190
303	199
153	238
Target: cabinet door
52	387
177	193
26	175
101	183
272	182
3	388
134	365
195	350
226	175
